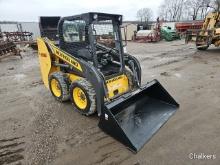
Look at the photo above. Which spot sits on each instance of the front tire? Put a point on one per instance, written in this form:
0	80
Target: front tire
83	97
58	86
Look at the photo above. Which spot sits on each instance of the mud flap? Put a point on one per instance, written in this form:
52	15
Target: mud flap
135	117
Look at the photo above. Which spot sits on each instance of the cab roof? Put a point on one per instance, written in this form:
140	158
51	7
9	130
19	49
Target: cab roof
91	16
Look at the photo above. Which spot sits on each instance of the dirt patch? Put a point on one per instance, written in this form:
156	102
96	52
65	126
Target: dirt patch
167	63
165	74
11	150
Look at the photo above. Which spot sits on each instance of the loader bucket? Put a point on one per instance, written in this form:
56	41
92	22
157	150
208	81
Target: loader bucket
135	117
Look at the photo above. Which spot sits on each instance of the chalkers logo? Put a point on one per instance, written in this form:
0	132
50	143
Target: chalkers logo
202	156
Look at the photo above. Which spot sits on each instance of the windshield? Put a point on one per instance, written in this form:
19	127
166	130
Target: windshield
74	31
104	33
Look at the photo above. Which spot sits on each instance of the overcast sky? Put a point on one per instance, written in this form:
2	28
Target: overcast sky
30	10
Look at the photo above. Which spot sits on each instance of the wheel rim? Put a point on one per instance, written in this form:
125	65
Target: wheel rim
55	87
79	98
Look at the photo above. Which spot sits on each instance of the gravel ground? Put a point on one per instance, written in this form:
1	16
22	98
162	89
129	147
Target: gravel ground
36	129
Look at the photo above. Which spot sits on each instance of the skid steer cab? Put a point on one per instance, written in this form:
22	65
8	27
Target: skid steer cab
87	65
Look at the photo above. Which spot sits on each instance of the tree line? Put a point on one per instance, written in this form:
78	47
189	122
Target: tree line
180	10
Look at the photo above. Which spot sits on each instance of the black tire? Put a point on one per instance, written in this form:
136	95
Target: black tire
202	48
202	39
63	86
90	96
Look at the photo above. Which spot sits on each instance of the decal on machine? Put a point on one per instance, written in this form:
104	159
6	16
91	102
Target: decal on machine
114	79
67	58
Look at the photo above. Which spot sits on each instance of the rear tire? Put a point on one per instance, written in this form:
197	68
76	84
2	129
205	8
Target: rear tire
83	97
202	48
58	86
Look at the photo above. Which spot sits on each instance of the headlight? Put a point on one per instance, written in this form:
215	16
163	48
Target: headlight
119	18
95	16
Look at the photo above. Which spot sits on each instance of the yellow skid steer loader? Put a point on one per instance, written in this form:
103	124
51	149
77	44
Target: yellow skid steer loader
86	65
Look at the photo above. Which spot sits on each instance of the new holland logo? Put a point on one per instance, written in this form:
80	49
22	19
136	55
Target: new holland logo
68	59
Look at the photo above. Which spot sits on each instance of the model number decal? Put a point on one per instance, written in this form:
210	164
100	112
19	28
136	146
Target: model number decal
68	59
114	79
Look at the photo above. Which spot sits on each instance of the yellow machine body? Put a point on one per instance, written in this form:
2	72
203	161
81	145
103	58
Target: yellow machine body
46	67
210	21
209	34
115	86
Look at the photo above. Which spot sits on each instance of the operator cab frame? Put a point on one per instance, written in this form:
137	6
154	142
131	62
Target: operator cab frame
94	37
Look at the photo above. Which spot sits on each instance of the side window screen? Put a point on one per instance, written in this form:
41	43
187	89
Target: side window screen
104	33
74	31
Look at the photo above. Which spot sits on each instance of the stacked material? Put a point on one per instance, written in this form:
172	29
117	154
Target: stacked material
8	48
144	33
147	36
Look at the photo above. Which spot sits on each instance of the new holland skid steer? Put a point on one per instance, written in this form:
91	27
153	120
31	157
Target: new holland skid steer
209	34
87	66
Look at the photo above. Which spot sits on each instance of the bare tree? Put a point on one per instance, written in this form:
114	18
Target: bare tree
176	10
172	10
140	15
164	13
197	8
145	15
205	9
194	6
217	4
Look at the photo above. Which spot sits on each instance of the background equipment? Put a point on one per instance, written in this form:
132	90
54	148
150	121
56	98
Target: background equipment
209	34
169	34
8	48
88	67
144	34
